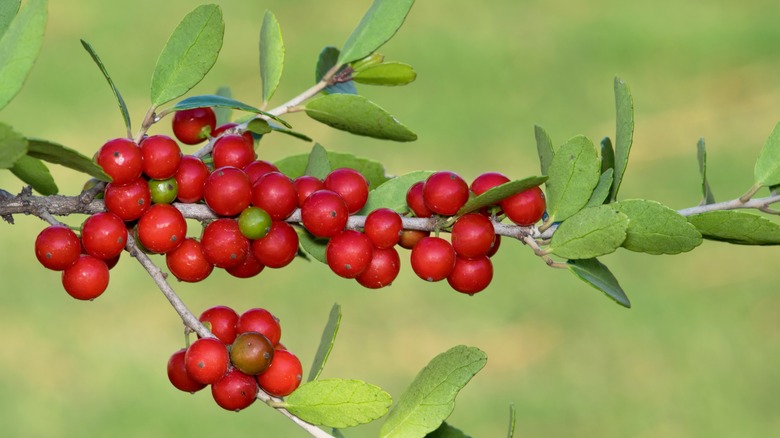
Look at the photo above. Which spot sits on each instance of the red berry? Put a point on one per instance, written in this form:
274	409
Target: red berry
283	376
433	258
232	150
305	185
349	253
178	376
121	159
473	236
224	127
324	213
487	181
128	201
161	156
470	276
192	126
258	168
207	360
415	201
409	238
223	244
251	353
275	193
222	321
162	228
235	390
86	279
260	321
445	193
383	226
525	208
104	235
191	177
227	191
187	262
248	268
384	268
494	248
279	247
57	247
351	185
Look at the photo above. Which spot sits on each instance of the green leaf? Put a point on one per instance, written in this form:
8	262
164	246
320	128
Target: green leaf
392	194
624	132
19	46
378	25
446	431
13	146
213	100
656	229
271	55
258	126
592	232
290	132
701	155
389	73
8	10
33	172
512	421
327	59
737	227
496	194
601	192
314	246
189	54
338	403
337	434
607	155
318	164
544	148
767	170
222	113
326	343
430	398
120	101
358	115
295	166
64	156
574	173
596	274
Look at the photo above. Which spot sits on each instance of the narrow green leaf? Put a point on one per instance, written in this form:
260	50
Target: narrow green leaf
223	114
326	343
656	229
213	100
430	398
313	246
389	73
337	434
189	54
8	10
607	155
358	115
767	170
33	172
19	47
271	55
290	132
601	192
512	421
13	146
327	59
318	164
737	227
544	148
624	132
574	173
701	155
259	127
295	166
592	232
120	101
64	156
338	403
392	194
496	194
446	431
378	25
596	274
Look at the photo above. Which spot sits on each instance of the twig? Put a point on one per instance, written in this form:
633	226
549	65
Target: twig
274	402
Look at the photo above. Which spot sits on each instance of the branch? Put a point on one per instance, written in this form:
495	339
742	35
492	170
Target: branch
734	204
308	427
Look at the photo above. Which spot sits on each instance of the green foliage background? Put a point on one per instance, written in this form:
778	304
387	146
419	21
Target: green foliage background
696	356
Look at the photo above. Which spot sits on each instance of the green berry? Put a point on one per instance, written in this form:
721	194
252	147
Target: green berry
254	223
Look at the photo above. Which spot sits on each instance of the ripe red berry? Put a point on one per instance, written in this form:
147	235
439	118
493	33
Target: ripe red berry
128	201
178	376
162	228
227	191
223	244
305	185
207	360
57	247
470	276
224	127
258	168
161	156
190	178
192	126
494	248
487	181
349	253
433	258
525	208
187	262
283	376
445	193
275	193
121	159
235	390
248	268
279	247
251	353
415	201
324	213
222	321
86	279
232	150
351	185
473	236
383	226
261	321
383	269
104	235
409	238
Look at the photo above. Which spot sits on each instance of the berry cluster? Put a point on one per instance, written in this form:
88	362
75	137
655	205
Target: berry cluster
244	355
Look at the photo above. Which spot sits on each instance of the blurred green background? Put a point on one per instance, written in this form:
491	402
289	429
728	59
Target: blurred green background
698	354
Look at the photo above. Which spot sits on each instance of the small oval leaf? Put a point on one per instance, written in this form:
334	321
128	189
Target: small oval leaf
574	173
64	156
654	228
327	341
338	403
13	146
271	55
358	115
389	73
33	172
313	246
290	132
378	25
19	47
601	192
592	232
496	194
596	274
736	227
212	100
392	194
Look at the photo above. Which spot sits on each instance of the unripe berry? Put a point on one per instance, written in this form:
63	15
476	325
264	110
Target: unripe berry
251	352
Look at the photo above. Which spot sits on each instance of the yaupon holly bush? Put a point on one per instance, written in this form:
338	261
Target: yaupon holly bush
335	208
